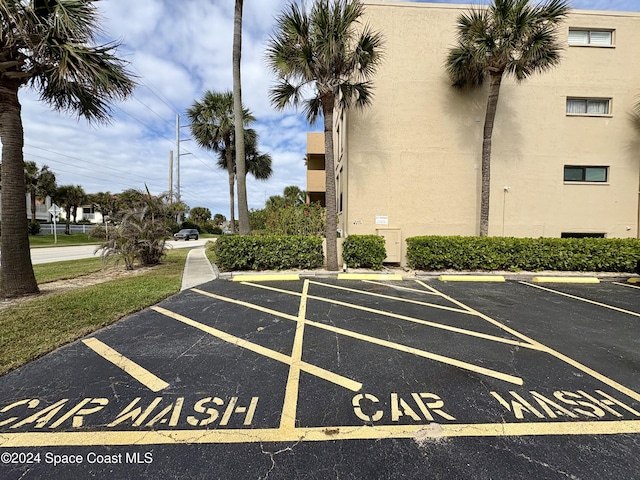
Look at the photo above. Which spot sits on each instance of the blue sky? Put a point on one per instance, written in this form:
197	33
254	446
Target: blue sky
178	50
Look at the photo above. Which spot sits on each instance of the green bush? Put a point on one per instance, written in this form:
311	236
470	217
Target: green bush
249	252
531	254
100	232
34	228
364	251
299	220
210	227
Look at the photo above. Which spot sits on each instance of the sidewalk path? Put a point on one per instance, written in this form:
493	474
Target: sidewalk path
197	269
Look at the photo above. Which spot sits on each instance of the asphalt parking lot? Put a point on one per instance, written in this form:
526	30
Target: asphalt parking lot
322	378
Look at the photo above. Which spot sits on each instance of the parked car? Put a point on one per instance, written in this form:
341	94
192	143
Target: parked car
186	234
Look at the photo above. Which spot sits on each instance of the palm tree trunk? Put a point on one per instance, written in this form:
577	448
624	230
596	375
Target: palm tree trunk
328	102
492	105
241	169
67	226
16	271
232	195
32	198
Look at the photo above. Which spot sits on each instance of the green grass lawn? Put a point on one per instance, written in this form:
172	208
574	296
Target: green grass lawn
50	272
36	327
63	240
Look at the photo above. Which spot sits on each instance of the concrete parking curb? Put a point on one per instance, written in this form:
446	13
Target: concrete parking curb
369	276
265	277
566	280
472	278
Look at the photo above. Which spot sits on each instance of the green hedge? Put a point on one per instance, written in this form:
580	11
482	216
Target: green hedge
247	252
531	254
364	251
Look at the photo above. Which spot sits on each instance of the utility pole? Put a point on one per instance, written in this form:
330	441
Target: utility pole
178	158
178	155
170	176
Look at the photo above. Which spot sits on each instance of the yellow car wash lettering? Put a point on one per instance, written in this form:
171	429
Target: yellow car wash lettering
43	417
566	404
419	407
156	412
29	402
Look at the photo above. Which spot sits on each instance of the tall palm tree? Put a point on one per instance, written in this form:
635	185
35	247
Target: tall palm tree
257	163
51	46
508	37
328	51
213	127
40	183
241	167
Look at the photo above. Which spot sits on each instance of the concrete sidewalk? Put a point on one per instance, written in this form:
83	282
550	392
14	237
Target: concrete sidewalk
197	269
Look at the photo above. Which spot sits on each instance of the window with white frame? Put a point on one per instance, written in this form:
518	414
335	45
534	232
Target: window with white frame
588	106
585	173
596	38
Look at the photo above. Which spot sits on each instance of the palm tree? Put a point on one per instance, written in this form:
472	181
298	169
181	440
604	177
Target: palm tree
241	167
40	184
70	197
294	196
508	37
257	164
50	45
326	50
212	126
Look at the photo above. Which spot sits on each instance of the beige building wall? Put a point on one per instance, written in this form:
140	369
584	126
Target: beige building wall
411	162
316	175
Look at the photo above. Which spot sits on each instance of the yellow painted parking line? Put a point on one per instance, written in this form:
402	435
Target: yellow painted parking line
396	346
419	433
399	287
141	374
265	278
398	299
250	305
626	285
260	350
427	323
566	280
369	276
612	383
471	278
288	418
420	353
586	300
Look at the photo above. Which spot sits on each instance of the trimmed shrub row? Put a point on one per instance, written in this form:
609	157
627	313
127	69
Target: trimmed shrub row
531	254
364	251
246	252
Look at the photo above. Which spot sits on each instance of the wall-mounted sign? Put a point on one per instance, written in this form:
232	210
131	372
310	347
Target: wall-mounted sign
382	220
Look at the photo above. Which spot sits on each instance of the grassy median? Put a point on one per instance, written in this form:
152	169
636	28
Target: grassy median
35	327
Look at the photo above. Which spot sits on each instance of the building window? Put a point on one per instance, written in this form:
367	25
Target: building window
588	106
596	38
578	173
582	235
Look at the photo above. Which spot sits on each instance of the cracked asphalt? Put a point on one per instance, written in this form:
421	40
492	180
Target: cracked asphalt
319	378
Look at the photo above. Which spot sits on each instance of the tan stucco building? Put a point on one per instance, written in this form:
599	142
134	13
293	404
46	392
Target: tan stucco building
565	157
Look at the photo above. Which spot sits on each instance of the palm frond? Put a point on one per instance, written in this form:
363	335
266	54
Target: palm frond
50	45
509	36
320	49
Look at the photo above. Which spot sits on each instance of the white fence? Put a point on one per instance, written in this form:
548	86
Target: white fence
47	228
